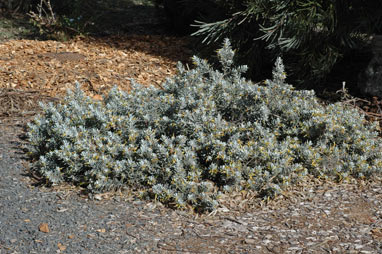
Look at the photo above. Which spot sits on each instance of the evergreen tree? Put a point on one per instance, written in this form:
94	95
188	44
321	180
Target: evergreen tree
310	35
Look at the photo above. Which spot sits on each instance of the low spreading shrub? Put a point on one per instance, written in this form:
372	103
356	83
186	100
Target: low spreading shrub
206	132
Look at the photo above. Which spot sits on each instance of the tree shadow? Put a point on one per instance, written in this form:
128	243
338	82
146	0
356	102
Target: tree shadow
129	19
114	23
16	26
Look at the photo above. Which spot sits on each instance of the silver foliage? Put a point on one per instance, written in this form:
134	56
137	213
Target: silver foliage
206	132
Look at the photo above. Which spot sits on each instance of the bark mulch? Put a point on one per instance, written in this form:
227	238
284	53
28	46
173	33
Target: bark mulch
32	71
315	218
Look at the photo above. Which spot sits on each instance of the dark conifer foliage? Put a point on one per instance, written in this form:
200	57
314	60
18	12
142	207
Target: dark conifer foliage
310	35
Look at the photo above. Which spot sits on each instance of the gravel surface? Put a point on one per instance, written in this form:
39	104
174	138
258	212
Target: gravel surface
37	220
314	219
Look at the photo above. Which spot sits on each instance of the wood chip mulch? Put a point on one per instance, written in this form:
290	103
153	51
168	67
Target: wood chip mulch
32	71
313	217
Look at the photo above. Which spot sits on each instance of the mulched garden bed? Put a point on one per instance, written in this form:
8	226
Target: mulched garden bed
33	71
316	217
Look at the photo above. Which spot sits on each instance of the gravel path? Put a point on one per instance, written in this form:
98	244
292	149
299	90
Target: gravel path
34	220
313	219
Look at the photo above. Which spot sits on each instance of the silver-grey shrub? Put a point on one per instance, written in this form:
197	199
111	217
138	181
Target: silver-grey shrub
205	132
